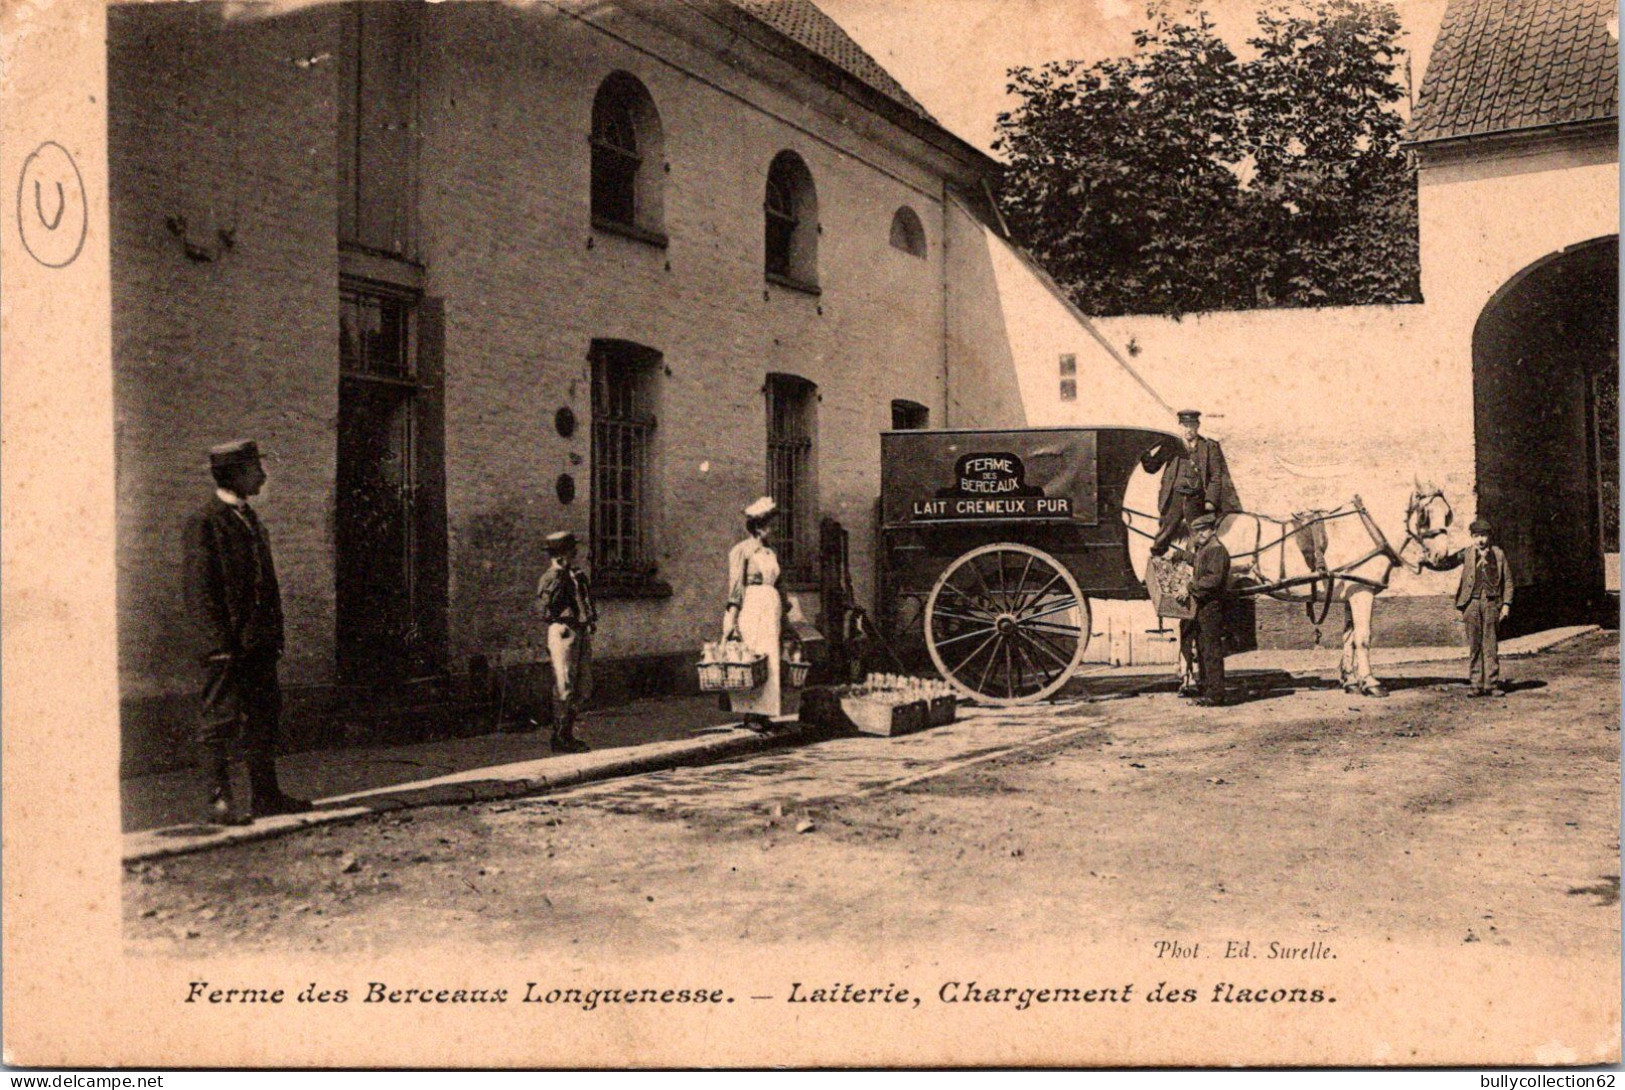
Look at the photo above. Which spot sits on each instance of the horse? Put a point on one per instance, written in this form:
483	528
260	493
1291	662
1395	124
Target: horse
1318	558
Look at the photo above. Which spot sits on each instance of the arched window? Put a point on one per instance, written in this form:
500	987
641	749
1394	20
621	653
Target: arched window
626	159
791	212
906	232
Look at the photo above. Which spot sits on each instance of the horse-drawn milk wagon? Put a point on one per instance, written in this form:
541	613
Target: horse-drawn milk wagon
1006	536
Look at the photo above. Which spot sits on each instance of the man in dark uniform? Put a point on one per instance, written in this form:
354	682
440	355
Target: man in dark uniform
1195	481
1484	597
565	602
236	610
1209	583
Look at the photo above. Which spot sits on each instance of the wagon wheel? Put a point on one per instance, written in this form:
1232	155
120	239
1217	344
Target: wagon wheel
1007	624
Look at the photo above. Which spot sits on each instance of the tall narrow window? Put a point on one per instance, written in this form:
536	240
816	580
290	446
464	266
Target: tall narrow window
626	166
623	425
791	214
375	528
791	473
907	233
909	416
781	226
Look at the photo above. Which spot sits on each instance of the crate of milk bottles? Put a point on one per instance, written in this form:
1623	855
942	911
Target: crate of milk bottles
887	705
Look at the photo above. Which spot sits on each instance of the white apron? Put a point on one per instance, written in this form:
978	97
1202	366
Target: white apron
760	615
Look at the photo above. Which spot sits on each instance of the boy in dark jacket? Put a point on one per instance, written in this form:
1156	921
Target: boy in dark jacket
1484	597
1209	583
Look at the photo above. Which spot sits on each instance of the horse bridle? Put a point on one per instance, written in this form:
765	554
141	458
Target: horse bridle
1418	505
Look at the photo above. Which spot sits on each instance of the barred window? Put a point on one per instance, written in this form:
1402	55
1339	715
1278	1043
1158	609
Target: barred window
623	425
791	472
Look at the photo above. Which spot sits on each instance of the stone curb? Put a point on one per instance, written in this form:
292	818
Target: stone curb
1521	647
493	784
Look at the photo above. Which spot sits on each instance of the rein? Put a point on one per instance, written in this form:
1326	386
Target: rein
1327	577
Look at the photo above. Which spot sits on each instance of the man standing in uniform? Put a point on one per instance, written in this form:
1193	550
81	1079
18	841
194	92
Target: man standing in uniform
1484	597
236	610
1196	481
1209	584
566	606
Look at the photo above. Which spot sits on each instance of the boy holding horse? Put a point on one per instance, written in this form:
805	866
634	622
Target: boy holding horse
1484	597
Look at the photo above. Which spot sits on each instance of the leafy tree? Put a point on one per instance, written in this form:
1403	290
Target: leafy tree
1181	178
1333	198
1119	170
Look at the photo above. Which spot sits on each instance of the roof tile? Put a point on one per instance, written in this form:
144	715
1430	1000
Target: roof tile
1506	64
803	23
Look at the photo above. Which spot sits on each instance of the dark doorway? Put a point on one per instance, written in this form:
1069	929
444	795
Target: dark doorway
1545	400
380	636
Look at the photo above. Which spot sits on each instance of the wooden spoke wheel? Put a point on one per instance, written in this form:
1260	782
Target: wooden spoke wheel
1007	624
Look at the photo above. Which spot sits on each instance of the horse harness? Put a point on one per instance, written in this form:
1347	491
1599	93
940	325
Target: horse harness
1308	530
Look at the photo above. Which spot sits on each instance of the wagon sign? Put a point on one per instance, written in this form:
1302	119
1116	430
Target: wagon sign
990	476
992	485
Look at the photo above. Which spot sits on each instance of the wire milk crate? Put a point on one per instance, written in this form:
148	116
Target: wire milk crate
728	672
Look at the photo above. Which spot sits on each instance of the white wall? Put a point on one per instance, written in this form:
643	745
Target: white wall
1485	219
1314	407
1009	316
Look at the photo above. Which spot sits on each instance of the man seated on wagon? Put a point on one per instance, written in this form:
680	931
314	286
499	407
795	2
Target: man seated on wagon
1195	481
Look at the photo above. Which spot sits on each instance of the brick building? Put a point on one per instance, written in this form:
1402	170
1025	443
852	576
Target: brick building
476	272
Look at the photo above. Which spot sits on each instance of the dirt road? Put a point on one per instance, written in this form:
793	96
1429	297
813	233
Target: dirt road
1429	817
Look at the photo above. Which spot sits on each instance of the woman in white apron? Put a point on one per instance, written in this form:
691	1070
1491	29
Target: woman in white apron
755	612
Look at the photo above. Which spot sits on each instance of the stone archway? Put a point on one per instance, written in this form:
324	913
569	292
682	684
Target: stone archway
1545	399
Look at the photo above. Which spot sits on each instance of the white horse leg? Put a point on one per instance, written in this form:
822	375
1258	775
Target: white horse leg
1348	668
1360	602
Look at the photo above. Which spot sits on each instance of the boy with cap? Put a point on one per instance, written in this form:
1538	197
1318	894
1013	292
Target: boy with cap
236	609
565	603
1484	597
1209	582
1195	482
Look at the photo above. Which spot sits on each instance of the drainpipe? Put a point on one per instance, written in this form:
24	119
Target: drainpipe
947	386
